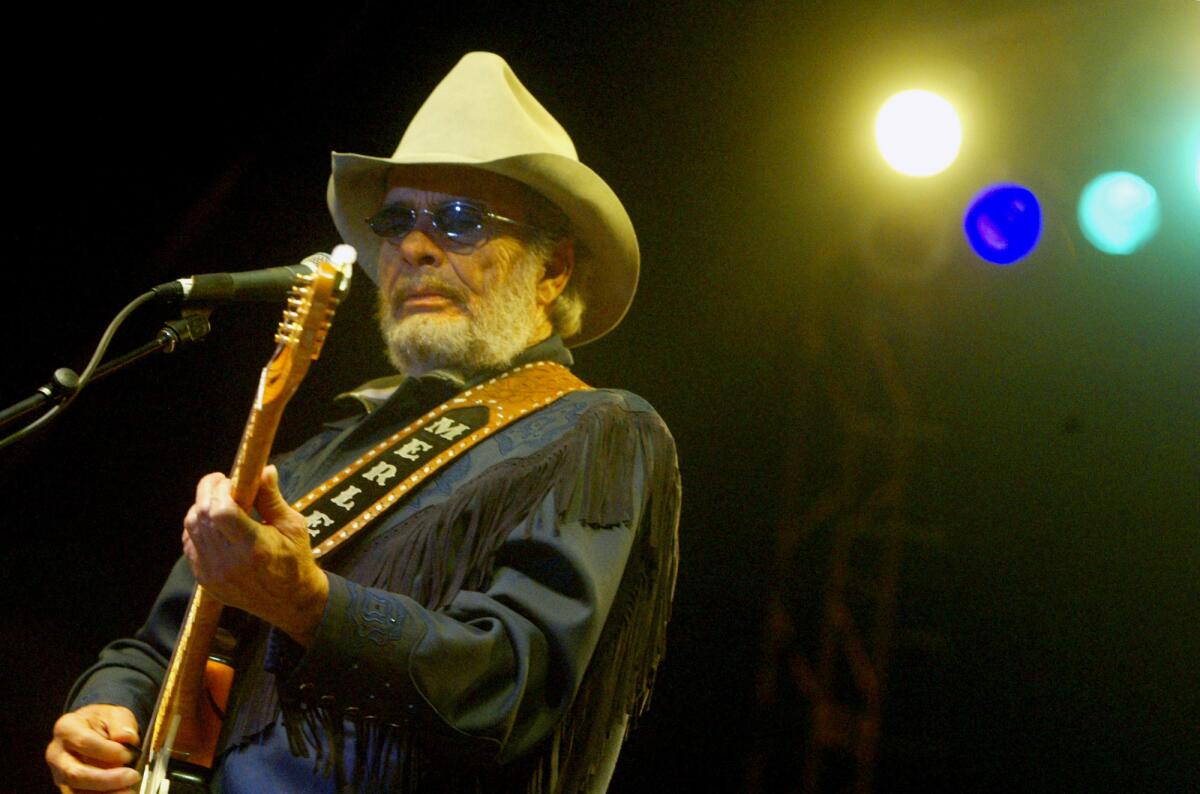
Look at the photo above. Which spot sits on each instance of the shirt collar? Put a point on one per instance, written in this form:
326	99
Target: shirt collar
375	393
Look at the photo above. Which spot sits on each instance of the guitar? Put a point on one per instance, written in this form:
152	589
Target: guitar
181	740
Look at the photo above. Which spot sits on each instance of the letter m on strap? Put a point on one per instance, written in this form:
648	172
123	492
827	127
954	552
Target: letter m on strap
447	428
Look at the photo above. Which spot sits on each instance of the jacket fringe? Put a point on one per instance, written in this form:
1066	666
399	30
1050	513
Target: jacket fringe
590	471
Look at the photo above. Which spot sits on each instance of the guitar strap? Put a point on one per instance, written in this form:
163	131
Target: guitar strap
389	472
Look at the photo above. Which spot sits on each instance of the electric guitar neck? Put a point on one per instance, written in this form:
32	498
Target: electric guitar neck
180	744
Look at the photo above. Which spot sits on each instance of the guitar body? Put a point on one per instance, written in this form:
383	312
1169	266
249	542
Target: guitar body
197	739
198	733
181	741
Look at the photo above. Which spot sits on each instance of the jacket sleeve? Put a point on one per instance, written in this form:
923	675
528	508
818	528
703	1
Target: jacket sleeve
129	671
498	665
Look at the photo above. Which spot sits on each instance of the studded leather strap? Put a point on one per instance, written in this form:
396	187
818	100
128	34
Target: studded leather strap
389	472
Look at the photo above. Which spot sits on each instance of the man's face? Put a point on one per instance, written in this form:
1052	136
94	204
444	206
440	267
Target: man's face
445	305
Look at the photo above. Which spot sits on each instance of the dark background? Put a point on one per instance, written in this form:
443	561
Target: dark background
1058	461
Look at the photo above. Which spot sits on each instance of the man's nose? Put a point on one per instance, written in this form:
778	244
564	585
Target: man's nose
419	248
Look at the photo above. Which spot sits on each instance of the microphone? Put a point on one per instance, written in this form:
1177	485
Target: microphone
266	285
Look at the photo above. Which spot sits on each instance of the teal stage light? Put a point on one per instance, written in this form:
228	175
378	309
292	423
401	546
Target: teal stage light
1119	212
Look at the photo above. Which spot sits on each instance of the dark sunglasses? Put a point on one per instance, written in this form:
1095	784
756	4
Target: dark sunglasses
457	222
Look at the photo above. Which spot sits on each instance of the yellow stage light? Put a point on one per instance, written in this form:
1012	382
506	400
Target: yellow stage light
918	133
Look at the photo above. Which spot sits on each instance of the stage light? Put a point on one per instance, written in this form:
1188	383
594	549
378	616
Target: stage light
1003	223
1118	212
918	133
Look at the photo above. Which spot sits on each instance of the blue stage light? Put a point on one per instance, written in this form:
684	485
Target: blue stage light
1003	223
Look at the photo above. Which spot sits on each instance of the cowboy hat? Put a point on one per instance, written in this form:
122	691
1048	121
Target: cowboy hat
481	116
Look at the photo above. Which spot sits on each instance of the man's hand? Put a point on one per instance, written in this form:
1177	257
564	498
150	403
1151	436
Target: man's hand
89	750
265	569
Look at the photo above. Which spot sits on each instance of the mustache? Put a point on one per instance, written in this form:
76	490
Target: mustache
426	285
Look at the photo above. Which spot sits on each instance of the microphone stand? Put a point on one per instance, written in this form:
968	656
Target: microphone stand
191	327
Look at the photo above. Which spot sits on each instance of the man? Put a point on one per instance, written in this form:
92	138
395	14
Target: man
498	628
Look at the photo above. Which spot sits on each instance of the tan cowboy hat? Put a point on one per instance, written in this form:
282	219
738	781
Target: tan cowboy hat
481	116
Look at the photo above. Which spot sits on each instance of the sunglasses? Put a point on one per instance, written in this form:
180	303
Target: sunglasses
457	223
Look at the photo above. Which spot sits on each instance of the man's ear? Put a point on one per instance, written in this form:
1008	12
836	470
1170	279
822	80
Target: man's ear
557	272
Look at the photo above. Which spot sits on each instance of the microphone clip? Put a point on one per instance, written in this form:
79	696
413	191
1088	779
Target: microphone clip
191	327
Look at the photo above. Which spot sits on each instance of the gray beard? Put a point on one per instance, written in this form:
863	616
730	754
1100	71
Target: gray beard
501	329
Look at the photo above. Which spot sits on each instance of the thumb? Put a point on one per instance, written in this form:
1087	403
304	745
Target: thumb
269	502
122	726
112	722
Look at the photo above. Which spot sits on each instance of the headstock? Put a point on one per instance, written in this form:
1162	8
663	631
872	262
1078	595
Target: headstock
304	327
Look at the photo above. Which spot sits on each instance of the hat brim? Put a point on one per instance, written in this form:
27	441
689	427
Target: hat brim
606	250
